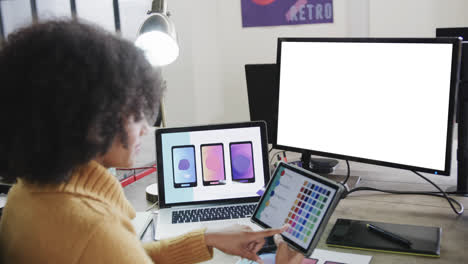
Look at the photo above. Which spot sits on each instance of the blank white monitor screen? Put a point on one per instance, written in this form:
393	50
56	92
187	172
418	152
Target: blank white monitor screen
388	103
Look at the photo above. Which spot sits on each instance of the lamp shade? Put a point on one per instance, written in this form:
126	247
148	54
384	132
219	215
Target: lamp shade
158	39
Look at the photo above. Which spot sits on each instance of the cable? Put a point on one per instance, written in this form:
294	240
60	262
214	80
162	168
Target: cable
436	194
138	168
443	194
440	193
151	206
346	188
363	188
348	174
273	156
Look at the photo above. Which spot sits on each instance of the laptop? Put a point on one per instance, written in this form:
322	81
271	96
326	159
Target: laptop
210	175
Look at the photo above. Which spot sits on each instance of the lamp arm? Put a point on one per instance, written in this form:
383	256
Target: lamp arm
158	6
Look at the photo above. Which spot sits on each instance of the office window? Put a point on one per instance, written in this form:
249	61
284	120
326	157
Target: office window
49	9
15	14
99	12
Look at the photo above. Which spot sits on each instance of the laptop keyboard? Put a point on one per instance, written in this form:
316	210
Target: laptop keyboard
212	214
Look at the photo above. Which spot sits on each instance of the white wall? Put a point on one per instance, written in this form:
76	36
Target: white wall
100	12
357	22
207	82
415	18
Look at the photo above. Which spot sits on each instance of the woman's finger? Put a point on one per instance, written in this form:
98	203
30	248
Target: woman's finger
269	232
278	239
258	246
251	245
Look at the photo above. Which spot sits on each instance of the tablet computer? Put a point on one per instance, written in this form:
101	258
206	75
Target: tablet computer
302	199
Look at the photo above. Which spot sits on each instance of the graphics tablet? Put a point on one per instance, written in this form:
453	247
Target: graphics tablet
302	199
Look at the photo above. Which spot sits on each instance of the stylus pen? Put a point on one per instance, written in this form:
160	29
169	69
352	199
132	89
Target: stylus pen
388	235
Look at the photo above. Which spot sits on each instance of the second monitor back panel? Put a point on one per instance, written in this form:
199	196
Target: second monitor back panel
262	90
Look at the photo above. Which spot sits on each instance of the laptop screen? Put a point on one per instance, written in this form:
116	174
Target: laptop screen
211	164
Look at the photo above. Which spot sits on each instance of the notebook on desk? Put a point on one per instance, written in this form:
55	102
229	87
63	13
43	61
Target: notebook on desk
209	175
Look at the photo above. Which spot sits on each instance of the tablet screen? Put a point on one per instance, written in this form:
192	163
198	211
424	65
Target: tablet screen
296	198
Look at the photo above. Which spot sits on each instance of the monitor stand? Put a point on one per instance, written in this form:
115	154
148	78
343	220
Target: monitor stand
324	167
462	178
456	191
462	141
317	165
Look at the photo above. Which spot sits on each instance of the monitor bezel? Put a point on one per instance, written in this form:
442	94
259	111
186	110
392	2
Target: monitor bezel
455	69
160	168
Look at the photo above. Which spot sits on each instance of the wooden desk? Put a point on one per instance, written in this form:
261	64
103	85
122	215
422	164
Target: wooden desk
413	210
401	209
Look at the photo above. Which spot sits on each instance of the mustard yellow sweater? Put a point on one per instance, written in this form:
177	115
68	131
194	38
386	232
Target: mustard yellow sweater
86	220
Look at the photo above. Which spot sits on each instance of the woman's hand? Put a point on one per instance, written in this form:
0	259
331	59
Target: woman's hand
285	254
240	240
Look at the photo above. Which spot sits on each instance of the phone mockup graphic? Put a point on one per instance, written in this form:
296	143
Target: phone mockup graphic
183	166
213	168
242	165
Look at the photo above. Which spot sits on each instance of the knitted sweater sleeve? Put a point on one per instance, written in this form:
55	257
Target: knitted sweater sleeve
110	243
188	248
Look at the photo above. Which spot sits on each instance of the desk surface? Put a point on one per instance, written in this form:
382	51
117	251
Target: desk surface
401	209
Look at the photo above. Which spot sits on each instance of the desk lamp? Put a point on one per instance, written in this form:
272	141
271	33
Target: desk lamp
157	36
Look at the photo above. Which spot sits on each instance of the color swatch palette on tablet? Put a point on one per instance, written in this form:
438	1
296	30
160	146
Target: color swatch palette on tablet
306	210
298	201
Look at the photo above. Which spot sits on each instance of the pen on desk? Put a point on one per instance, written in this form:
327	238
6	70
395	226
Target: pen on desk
388	235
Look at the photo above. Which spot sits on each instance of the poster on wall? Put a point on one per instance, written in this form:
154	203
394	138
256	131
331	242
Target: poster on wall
259	13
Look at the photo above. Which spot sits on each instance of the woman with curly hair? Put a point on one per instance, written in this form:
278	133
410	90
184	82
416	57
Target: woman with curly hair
76	100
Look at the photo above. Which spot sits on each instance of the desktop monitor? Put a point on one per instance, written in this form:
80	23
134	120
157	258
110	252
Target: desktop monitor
452	32
262	90
461	108
458	32
387	102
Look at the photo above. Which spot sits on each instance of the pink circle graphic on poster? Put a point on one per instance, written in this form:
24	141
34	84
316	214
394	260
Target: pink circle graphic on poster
263	2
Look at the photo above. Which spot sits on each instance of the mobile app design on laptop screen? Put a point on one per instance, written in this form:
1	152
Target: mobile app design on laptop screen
242	166
213	164
183	166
